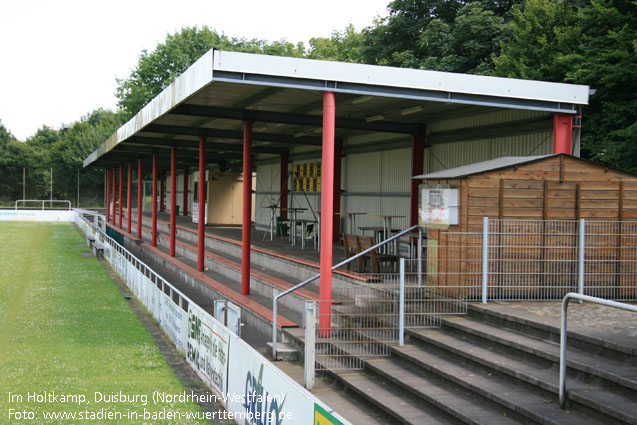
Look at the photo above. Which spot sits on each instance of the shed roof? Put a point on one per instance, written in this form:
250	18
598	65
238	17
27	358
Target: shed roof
283	97
481	167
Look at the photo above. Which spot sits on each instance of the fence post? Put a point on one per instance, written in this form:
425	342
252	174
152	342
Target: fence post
420	256
309	357
401	308
582	247
485	259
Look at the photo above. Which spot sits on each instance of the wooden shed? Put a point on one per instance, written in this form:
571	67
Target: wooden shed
536	202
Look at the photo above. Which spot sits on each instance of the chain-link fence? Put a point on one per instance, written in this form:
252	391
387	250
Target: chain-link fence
84	188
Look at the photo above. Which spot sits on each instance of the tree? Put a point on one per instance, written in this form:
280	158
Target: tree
587	42
345	46
445	35
45	136
157	69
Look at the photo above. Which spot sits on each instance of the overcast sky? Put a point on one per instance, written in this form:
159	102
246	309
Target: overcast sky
59	59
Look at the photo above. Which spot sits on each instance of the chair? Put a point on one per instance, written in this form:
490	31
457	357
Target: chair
376	258
350	244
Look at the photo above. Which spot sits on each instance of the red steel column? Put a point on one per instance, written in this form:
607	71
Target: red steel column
185	213
417	166
283	184
327	212
108	196
129	195
173	198
139	198
201	241
121	170
338	154
162	192
247	207
154	215
562	133
114	201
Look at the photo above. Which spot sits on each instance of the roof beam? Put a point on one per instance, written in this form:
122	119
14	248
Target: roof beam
165	153
231	134
194	144
297	119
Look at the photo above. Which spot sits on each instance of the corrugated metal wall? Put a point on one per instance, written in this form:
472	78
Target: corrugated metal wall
377	183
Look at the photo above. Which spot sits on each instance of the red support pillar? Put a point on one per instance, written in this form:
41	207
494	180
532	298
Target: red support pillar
154	214
338	154
185	213
247	207
417	167
121	170
283	184
139	198
108	196
327	212
201	241
114	199
162	192
173	198
129	195
562	133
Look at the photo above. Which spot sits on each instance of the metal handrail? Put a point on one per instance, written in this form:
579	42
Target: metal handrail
50	201
563	332
341	264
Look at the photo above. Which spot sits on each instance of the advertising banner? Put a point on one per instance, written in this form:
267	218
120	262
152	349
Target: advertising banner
173	320
262	394
208	349
37	215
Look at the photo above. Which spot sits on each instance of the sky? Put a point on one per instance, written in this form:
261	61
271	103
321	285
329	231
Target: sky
60	59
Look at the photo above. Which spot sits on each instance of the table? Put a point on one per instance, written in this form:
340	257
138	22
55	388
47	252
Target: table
351	219
293	219
387	227
272	209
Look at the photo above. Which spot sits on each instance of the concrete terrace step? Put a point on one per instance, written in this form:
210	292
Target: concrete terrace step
530	324
533	407
247	302
544	377
603	368
401	405
263	256
231	268
458	405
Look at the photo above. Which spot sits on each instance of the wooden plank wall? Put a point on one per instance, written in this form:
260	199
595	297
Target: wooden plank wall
558	188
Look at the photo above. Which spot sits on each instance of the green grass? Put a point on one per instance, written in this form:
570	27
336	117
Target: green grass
65	327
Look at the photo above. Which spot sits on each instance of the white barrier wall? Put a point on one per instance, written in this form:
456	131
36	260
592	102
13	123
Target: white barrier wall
37	215
245	383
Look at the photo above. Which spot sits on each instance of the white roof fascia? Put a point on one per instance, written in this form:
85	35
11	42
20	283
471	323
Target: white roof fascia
399	77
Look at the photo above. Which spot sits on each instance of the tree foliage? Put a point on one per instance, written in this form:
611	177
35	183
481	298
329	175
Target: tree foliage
587	42
157	69
443	35
63	151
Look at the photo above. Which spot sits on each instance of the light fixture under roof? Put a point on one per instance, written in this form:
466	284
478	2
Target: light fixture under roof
375	118
410	111
361	99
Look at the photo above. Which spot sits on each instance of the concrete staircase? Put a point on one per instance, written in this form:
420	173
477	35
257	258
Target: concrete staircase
490	368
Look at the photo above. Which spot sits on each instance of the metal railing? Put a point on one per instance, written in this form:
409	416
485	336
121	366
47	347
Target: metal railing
367	319
179	299
341	264
520	260
564	333
50	201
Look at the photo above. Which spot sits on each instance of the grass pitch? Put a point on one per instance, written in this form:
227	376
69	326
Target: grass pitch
66	330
